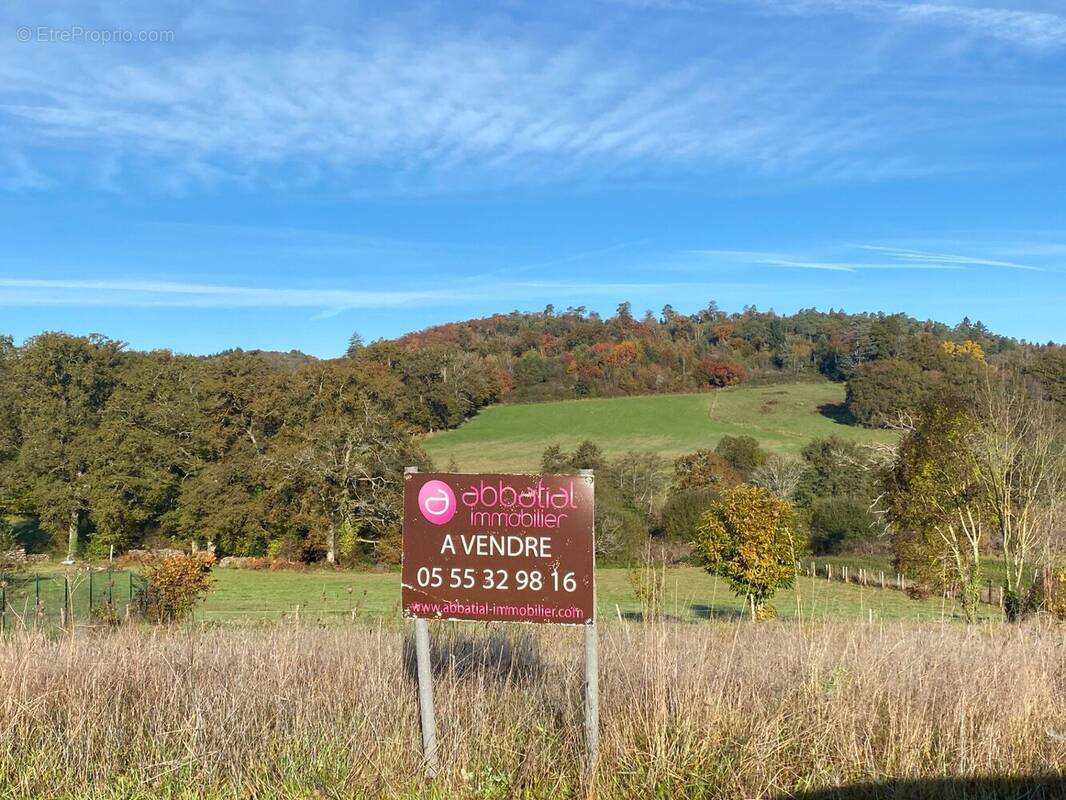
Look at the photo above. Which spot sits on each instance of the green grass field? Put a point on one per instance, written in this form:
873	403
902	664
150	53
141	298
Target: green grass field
692	595
782	417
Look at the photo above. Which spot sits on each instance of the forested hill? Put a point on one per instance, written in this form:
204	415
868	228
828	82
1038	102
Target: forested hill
891	361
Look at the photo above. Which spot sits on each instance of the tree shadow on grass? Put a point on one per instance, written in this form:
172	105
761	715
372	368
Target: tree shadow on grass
496	658
1036	787
701	611
838	412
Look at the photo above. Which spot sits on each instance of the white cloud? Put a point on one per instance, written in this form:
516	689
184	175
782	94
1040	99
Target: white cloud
17	174
143	293
133	293
405	103
892	258
1027	28
425	105
919	257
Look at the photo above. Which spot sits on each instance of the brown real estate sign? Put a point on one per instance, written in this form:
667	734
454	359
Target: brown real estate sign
500	548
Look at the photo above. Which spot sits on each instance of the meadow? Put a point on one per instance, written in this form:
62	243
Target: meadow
783	417
692	595
724	709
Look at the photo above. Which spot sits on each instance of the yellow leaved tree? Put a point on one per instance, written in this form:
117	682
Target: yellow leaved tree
748	536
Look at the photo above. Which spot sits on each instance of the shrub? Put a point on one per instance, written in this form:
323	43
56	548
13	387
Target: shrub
648	579
1048	593
175	585
742	453
683	512
289	547
703	469
839	523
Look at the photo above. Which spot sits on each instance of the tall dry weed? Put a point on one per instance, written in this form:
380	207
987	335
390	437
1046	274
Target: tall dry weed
721	709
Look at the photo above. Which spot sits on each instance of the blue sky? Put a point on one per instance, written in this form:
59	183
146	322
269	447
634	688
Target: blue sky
217	175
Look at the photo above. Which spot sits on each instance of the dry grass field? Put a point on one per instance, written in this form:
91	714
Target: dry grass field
716	709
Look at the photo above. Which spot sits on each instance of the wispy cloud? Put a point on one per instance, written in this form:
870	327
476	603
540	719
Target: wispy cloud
919	257
1038	29
327	301
412	103
399	104
147	294
17	174
409	104
892	258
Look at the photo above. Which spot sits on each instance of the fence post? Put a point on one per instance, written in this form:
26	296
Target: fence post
90	592
68	605
3	605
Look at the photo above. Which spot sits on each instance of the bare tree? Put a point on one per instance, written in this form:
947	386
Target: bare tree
779	475
1019	457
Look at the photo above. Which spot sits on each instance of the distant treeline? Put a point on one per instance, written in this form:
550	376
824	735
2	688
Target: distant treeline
285	455
890	361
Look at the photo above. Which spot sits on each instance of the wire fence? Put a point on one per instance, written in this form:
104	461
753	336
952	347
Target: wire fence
86	597
991	595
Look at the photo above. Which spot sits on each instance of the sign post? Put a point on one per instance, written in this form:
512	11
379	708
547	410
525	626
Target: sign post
499	548
592	682
425	696
424	670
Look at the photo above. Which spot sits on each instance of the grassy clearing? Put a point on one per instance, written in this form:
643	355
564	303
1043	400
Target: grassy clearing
726	709
692	595
782	417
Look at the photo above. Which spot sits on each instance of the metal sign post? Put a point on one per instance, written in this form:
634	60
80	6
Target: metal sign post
424	669
499	548
592	679
426	714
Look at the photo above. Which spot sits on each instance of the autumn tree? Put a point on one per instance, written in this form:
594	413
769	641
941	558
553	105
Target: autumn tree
176	584
748	536
935	504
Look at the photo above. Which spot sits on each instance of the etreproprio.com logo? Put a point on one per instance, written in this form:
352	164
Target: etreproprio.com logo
77	33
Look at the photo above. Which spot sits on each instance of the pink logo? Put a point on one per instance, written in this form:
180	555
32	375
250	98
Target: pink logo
436	501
